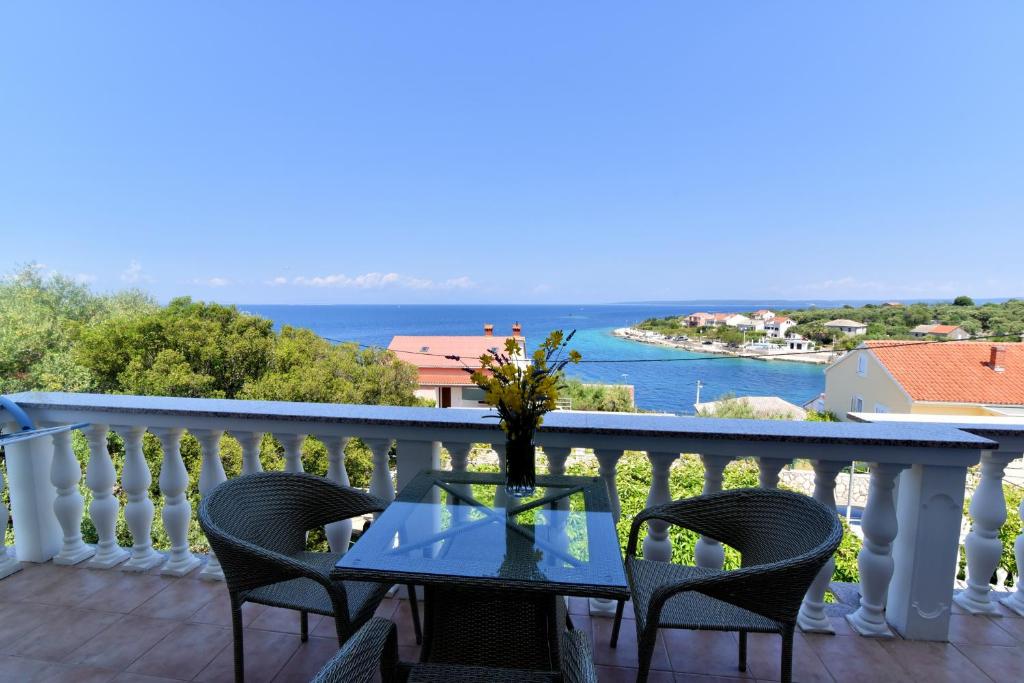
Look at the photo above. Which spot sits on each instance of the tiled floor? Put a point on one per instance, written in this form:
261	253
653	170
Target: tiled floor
82	625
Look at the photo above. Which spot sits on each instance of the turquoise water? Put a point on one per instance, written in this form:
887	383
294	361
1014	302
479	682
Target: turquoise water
662	386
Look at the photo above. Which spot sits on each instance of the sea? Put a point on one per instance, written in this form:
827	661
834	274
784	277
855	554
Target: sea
667	385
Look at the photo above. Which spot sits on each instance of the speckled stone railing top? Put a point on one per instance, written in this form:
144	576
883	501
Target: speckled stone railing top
612	424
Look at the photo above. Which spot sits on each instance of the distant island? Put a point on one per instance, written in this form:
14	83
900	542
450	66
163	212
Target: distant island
817	335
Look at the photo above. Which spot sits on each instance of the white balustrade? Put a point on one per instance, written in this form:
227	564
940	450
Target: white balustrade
138	511
8	564
557	455
607	460
250	443
708	552
65	473
983	546
657	545
177	511
812	617
906	578
292	444
768	470
339	534
211	475
100	477
380	479
1015	600
875	559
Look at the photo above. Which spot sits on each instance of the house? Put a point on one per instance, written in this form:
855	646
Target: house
953	378
762	406
954	332
762	314
850	328
892	304
777	327
734	320
816	404
700	319
795	342
445	380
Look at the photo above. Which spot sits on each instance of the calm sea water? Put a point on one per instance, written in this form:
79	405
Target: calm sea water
668	387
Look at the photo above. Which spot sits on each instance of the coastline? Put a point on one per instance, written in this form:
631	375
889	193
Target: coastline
655	339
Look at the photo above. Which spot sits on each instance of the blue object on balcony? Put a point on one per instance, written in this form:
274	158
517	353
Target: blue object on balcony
28	430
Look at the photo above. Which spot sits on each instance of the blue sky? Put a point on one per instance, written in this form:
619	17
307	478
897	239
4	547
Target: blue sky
516	152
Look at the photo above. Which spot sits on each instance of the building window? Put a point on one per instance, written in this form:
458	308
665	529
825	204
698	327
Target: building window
862	365
473	394
857	404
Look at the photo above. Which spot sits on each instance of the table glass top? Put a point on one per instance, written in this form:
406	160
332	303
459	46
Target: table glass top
464	525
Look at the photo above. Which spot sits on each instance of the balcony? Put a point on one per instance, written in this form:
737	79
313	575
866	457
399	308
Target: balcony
102	612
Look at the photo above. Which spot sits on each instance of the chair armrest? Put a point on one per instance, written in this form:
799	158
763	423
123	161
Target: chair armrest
373	647
666	513
577	658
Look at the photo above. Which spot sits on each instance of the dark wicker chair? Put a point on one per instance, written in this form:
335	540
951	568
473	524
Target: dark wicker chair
257	525
784	538
374	648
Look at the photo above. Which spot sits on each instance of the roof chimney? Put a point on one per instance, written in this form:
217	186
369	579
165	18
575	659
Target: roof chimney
488	330
517	330
997	359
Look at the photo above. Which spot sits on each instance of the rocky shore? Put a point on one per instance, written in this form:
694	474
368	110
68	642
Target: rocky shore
781	354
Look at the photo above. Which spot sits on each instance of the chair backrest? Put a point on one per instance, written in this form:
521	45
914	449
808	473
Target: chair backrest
272	511
785	537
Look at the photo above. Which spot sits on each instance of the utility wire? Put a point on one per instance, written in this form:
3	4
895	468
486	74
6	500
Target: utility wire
901	343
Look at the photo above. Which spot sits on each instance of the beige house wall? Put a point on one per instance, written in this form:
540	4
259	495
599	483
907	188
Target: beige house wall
876	386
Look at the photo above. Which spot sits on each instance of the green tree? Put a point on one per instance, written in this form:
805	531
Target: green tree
963	301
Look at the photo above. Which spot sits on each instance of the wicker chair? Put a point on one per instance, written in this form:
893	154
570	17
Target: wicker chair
784	538
257	525
374	648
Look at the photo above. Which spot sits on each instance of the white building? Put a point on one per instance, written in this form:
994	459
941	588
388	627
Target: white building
850	328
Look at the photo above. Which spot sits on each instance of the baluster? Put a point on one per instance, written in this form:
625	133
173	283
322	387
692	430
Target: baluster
138	511
177	511
812	617
210	477
100	477
708	552
607	460
557	455
768	471
65	474
1015	600
292	451
500	496
983	546
250	443
459	453
875	562
380	481
657	545
339	534
8	564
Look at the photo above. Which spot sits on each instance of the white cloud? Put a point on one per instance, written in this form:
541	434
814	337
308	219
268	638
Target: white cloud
377	281
133	274
84	278
212	281
277	281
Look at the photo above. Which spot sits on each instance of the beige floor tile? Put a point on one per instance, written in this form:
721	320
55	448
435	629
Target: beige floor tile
978	631
180	599
625	653
936	662
18	618
1001	664
764	659
619	674
199	643
308	659
856	659
713	653
125	592
283	620
217	612
57	638
122	642
266	653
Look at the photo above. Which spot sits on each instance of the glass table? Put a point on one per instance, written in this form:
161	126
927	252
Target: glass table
493	567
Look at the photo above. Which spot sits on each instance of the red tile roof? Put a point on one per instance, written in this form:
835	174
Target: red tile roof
954	372
430	352
944	329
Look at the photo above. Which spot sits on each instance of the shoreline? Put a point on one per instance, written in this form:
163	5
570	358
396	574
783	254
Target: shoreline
655	339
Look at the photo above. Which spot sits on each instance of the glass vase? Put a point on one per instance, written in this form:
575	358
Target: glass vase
520	467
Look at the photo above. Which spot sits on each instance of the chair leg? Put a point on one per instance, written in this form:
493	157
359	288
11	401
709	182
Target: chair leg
644	653
303	626
743	650
787	654
618	622
236	628
414	606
